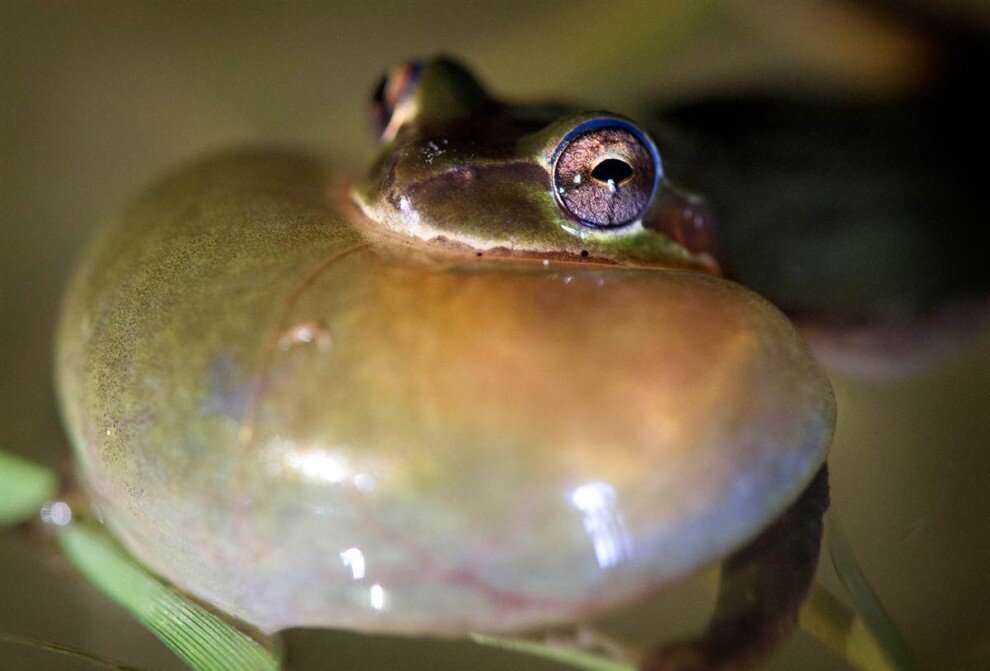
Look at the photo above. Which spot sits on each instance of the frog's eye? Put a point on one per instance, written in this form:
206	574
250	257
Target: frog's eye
392	103
605	173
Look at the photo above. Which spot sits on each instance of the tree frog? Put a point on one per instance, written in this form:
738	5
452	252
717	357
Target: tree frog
491	384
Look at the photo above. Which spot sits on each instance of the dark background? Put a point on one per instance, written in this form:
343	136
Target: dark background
98	98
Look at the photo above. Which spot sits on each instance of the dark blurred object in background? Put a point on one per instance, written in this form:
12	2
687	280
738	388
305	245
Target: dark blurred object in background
861	216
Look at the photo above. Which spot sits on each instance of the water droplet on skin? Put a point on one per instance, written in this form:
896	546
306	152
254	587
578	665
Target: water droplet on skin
57	512
364	482
377	597
611	186
353	559
463	172
431	151
577	179
303	334
603	522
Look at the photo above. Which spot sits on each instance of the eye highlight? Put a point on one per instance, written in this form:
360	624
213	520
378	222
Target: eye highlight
605	173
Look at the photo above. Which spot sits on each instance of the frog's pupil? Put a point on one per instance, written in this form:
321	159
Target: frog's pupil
612	170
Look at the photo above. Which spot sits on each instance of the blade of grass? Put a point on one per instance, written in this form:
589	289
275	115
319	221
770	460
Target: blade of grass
96	660
203	641
569	656
836	626
866	601
24	487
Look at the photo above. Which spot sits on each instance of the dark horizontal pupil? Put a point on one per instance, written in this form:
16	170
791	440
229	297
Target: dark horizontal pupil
612	169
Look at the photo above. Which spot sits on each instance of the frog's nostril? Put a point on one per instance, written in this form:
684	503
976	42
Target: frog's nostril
612	170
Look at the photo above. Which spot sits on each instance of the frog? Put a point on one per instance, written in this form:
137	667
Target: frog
496	383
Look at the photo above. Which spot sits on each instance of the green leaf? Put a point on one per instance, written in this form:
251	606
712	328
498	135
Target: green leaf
203	640
569	656
24	487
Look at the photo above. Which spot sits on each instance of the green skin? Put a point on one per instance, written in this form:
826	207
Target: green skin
308	412
464	150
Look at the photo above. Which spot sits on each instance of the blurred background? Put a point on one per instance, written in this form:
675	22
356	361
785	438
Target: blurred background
98	98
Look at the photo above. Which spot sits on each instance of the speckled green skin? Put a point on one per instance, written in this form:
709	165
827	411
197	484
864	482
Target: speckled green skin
305	419
162	334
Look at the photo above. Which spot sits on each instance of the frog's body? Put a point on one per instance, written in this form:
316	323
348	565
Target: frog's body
301	410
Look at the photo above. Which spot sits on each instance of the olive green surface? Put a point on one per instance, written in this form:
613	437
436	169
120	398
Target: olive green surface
100	99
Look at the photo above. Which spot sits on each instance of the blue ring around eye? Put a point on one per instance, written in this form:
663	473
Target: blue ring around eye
609	122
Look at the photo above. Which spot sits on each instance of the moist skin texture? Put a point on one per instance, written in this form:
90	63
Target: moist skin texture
307	427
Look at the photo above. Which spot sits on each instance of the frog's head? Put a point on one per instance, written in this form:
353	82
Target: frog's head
462	170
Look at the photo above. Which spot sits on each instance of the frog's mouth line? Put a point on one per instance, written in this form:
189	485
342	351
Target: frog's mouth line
441	247
519	171
341	194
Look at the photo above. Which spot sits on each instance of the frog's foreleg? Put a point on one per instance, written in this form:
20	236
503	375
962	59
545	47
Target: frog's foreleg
762	588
